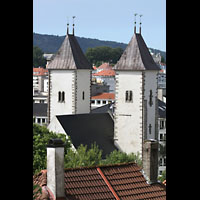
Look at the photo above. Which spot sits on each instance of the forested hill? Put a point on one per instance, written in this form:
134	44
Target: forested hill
51	43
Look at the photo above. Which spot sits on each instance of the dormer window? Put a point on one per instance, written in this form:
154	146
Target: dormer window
129	96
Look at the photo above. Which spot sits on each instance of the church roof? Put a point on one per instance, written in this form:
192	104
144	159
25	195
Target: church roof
136	56
89	128
69	56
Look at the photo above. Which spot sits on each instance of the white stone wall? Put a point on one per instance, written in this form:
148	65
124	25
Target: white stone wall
128	116
83	79
150	83
62	80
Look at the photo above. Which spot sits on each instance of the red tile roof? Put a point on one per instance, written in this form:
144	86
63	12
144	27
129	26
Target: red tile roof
104	96
109	72
105	66
40	71
123	181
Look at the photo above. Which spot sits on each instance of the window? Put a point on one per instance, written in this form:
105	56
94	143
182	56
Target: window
43	120
63	96
83	95
93	101
98	102
104	102
129	96
150	98
162	124
59	96
150	128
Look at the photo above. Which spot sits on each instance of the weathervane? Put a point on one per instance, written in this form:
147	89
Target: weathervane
135	22
73	24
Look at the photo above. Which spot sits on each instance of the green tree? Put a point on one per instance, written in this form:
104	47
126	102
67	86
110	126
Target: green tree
83	156
38	59
101	54
41	137
163	176
121	157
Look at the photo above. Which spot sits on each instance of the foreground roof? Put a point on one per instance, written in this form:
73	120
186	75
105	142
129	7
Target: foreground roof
104	95
111	182
90	128
69	56
136	56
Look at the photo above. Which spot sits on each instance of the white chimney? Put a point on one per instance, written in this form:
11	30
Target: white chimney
55	168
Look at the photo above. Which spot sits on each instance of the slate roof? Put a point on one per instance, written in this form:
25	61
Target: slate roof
87	129
39	109
136	56
69	56
161	109
125	181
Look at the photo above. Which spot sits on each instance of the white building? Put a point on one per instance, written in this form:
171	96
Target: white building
69	80
136	97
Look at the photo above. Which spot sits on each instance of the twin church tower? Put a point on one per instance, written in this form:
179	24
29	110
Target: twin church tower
135	116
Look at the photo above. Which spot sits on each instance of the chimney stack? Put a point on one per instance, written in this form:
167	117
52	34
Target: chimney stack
55	168
150	160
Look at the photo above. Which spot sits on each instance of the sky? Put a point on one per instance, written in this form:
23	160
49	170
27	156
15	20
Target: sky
111	20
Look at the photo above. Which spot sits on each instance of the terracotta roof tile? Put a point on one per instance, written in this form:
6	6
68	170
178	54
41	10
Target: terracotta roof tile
105	66
109	72
126	180
104	96
40	71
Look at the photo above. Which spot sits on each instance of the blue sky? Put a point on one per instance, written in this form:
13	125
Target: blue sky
103	19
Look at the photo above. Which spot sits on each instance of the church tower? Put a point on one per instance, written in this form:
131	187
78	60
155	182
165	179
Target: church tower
136	97
69	80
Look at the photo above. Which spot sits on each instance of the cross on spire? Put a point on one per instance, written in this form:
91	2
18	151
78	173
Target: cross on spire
67	25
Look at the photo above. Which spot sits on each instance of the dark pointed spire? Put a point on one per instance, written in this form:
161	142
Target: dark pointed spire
135	23
73	25
140	24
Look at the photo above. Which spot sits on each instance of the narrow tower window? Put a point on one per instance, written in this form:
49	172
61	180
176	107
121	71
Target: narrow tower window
63	96
150	98
59	96
83	95
129	96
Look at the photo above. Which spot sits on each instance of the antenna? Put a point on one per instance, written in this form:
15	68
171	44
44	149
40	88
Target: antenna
73	24
135	22
140	23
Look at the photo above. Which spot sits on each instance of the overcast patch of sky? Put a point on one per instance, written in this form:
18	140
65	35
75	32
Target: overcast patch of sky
103	19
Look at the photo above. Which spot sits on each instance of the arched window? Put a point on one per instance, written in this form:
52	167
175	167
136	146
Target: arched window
59	96
129	96
63	96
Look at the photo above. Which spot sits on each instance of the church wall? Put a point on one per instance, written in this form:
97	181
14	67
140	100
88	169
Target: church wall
150	83
128	115
83	78
62	80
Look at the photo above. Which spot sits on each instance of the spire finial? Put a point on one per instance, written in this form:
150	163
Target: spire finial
73	24
135	22
67	25
140	23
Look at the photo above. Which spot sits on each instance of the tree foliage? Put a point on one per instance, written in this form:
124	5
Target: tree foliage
38	59
41	137
101	54
163	176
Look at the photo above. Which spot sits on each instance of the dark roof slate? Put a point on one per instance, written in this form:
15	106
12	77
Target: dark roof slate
90	128
136	56
69	56
40	109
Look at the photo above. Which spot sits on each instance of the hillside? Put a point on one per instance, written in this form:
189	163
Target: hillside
51	43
